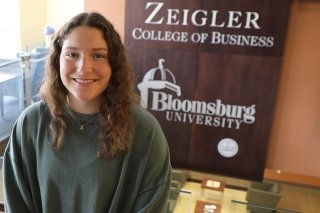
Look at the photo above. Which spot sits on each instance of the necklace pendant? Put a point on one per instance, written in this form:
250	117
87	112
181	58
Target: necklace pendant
81	128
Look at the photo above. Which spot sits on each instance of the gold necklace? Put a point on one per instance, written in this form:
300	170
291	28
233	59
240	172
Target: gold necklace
75	118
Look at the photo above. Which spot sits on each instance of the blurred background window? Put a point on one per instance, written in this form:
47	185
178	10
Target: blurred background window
9	30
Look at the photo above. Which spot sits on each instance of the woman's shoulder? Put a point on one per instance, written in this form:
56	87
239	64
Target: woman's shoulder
146	124
31	119
142	116
149	136
35	110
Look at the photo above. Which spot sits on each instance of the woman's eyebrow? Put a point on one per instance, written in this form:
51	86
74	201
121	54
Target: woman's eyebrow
94	49
100	49
70	48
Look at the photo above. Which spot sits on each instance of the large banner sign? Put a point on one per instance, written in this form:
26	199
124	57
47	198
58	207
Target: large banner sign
208	70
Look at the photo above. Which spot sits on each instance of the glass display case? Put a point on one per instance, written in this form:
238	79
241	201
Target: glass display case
11	94
20	80
179	201
243	207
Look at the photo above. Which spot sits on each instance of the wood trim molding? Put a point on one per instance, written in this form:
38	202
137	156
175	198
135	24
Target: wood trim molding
291	177
270	174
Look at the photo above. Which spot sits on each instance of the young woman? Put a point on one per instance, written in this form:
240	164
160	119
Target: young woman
87	146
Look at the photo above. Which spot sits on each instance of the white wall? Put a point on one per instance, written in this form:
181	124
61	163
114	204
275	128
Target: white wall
9	30
36	14
32	20
60	11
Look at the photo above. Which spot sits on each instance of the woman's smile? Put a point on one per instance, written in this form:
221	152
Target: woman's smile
84	81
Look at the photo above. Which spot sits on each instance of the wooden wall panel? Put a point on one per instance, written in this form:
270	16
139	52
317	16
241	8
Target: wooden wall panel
213	97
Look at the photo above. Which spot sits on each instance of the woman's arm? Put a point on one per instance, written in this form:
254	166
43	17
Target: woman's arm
155	186
19	166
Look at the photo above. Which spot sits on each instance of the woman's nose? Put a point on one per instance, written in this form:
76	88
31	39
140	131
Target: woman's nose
85	64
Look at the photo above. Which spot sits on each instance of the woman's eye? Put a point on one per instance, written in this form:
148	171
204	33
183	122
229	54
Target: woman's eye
100	56
73	55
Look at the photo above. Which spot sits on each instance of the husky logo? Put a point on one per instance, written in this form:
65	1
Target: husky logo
149	82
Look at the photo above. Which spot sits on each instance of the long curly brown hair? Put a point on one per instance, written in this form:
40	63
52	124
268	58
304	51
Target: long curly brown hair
114	114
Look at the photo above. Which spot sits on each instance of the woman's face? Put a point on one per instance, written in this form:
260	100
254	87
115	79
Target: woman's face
84	66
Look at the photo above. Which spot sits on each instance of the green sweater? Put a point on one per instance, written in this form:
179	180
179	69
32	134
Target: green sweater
40	179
